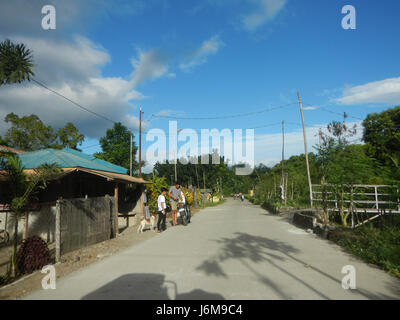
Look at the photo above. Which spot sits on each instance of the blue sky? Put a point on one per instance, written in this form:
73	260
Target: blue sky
208	58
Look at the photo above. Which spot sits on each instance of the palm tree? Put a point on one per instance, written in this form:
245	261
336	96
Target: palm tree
16	63
21	189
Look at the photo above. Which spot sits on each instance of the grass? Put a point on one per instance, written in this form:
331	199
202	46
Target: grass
374	245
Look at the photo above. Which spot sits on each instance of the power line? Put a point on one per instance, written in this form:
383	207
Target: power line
226	116
75	103
319	107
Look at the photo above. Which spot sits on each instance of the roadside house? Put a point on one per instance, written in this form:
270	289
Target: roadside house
85	185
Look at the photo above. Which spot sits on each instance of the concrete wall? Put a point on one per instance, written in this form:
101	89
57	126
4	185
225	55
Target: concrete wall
40	223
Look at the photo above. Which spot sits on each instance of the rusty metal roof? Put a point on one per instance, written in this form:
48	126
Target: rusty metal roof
110	176
11	150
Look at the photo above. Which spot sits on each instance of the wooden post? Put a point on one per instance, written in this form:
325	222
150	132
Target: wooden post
140	142
305	150
58	230
141	204
283	195
376	198
26	225
195	197
116	208
130	159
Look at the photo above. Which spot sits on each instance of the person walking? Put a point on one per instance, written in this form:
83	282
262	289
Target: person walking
174	193
162	214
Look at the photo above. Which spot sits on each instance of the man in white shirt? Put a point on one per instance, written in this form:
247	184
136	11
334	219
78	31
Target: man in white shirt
162	206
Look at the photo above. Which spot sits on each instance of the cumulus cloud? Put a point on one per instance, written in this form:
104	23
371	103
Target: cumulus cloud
310	108
385	91
25	16
201	54
266	10
148	66
73	69
268	147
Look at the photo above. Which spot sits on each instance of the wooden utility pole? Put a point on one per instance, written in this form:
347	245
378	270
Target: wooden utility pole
140	142
305	150
283	166
130	165
116	208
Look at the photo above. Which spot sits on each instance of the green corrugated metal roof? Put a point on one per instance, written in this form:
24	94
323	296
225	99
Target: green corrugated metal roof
67	158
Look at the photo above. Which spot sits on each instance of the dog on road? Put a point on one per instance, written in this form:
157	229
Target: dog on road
150	222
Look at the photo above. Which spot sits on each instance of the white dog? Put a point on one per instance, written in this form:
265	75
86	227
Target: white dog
145	222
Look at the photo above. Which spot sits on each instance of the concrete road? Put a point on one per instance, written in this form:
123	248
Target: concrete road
233	251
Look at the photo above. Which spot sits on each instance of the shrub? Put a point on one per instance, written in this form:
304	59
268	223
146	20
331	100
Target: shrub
188	195
3	280
32	255
380	247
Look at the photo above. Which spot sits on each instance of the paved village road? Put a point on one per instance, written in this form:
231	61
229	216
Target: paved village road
233	251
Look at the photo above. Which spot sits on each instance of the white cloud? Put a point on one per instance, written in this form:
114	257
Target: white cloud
266	11
73	69
150	65
311	108
385	91
268	147
201	54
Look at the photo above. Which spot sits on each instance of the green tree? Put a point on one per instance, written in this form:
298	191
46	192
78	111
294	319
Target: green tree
16	63
154	190
382	136
20	191
28	133
69	137
343	165
115	147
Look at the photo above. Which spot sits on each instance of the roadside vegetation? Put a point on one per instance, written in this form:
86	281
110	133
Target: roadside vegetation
338	164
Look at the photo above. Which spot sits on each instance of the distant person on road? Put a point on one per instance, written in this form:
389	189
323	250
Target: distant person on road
162	214
175	193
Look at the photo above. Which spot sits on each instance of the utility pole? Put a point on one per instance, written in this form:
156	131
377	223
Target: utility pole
283	194
140	142
305	149
176	160
130	165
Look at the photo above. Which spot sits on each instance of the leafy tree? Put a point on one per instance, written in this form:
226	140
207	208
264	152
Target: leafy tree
382	136
16	63
115	147
19	190
343	165
28	133
154	190
3	142
69	136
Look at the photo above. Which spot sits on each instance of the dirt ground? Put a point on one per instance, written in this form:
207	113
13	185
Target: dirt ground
75	260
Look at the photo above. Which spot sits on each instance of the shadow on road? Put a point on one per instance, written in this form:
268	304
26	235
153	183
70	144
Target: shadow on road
244	247
147	286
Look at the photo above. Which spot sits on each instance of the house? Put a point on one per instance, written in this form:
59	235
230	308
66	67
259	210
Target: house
84	184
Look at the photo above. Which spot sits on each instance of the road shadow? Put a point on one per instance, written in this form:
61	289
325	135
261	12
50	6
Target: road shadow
247	248
147	286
